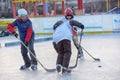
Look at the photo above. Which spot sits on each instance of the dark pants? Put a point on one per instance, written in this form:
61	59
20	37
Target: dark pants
64	53
28	60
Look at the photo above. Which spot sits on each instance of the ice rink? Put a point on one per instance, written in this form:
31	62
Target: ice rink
103	46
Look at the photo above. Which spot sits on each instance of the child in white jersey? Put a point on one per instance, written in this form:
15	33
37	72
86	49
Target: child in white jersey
62	37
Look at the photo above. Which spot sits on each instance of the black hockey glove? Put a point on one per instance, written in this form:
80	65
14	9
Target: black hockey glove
75	28
82	26
15	34
26	43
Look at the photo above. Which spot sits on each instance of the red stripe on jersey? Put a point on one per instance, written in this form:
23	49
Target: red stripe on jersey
74	32
10	27
28	34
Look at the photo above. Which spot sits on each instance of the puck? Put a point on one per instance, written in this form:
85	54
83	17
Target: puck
99	66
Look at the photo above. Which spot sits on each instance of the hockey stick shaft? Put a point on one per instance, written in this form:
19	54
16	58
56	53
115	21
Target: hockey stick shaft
72	67
81	36
96	59
49	70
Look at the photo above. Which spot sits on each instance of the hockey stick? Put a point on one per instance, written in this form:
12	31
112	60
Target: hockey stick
96	59
48	70
76	62
72	67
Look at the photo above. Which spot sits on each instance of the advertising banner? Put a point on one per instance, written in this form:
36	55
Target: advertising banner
116	22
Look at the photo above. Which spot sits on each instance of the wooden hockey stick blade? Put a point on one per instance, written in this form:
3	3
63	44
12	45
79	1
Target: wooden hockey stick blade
50	70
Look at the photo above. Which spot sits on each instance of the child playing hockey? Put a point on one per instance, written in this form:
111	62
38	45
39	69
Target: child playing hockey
62	37
77	43
26	32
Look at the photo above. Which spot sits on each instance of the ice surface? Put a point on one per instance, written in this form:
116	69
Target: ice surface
105	47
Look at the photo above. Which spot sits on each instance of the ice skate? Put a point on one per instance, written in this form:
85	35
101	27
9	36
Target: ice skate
34	67
23	67
81	56
64	71
58	68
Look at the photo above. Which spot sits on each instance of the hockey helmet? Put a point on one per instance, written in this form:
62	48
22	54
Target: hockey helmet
68	12
22	12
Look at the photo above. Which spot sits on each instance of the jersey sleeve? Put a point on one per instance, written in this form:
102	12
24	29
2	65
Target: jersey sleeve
76	23
29	31
57	24
11	26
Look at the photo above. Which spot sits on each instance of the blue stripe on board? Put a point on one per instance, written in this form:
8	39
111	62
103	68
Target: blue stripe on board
93	27
114	34
12	44
43	39
36	40
87	27
47	28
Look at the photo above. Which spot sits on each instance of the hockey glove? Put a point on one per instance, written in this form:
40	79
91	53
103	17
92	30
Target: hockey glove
15	34
26	43
82	26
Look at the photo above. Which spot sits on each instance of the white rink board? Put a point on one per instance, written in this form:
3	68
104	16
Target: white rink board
91	22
